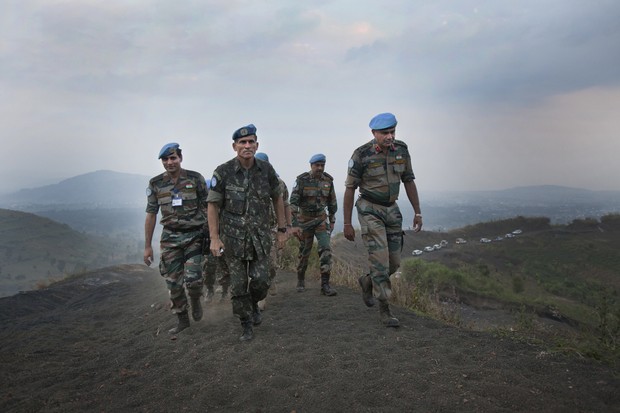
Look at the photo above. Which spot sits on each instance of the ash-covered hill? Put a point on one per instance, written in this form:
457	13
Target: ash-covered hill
99	342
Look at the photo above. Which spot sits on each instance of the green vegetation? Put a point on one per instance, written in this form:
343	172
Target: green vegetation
561	283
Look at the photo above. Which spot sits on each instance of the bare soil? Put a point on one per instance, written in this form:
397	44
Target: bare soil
99	342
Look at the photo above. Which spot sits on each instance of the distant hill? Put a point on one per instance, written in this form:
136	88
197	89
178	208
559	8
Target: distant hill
99	189
108	202
35	250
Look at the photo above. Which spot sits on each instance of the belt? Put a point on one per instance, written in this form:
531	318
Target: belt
312	213
183	230
374	201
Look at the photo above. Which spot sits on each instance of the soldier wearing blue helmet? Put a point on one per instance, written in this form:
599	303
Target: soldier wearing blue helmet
377	168
181	196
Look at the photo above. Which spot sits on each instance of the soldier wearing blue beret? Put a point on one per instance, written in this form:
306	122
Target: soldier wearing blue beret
313	206
242	191
377	168
181	196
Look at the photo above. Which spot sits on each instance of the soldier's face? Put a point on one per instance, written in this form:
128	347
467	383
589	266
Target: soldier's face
317	168
246	147
385	137
172	163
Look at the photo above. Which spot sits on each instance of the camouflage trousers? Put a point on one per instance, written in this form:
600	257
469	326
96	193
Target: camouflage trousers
214	269
317	227
180	265
381	229
249	283
274	256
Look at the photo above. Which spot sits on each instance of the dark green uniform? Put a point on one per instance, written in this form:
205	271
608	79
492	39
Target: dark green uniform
244	197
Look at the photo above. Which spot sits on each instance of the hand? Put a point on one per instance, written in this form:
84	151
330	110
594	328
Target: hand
296	231
148	255
281	239
349	232
216	247
417	223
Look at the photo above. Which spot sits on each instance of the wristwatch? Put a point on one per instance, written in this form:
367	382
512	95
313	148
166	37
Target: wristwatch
282	229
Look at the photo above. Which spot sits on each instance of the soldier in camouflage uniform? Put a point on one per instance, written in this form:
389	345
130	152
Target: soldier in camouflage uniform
312	194
377	168
274	257
239	224
181	195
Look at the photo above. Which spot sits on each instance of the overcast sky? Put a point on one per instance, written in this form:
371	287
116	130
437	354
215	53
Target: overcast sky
488	94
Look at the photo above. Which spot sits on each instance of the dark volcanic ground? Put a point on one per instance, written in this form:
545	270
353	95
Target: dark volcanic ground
99	343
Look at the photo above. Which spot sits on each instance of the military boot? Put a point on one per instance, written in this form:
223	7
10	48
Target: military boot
366	283
326	289
301	284
386	315
248	333
183	323
257	317
196	308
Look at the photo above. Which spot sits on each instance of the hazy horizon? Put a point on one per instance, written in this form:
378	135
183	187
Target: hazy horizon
488	95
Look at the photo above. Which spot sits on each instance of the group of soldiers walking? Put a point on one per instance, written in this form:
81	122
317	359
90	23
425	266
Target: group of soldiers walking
235	223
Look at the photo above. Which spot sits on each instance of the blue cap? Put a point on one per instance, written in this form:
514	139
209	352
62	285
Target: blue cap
383	121
244	131
319	157
262	156
168	149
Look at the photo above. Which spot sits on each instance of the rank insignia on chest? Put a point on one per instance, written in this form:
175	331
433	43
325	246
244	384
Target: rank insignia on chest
399	157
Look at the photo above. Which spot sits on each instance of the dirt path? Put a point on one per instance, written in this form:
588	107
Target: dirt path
100	343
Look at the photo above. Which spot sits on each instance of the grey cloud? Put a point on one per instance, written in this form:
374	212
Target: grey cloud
546	48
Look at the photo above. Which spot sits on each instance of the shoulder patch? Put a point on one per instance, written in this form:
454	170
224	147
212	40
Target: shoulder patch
148	191
213	182
351	163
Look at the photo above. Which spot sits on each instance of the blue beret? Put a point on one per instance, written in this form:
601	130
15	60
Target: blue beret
244	131
383	121
262	156
319	157
168	149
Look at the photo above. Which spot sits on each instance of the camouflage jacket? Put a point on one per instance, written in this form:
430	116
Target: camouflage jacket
377	176
311	196
244	197
191	194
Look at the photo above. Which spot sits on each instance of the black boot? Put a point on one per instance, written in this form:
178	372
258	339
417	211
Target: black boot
386	315
196	308
182	324
301	284
257	317
326	289
248	333
366	283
